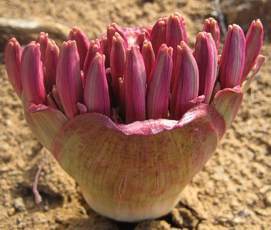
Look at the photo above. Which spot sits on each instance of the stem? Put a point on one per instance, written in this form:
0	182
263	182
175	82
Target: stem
37	196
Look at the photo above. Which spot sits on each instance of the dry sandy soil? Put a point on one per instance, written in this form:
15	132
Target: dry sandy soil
233	191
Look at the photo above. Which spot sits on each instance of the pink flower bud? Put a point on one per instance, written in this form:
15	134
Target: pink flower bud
82	43
206	56
254	42
68	81
96	94
13	53
159	87
176	31
233	58
43	41
111	30
117	62
211	26
32	74
158	35
104	49
117	56
103	45
134	86
144	35
94	47
50	64
149	58
186	85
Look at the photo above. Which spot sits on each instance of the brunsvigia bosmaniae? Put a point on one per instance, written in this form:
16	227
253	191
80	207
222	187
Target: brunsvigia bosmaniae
133	115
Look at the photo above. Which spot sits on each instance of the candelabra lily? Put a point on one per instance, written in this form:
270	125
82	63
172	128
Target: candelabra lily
133	115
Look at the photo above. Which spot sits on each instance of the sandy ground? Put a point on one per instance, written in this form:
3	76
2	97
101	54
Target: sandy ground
232	192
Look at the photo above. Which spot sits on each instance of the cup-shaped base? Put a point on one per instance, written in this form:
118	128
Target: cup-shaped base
136	171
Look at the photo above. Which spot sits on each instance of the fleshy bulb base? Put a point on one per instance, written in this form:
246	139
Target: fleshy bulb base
132	213
126	173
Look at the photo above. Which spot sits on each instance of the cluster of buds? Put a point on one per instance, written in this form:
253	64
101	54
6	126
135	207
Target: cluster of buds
130	97
133	74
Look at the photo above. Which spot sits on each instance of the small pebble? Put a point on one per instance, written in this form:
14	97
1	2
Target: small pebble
244	213
183	217
267	199
11	211
19	204
238	220
59	219
149	225
46	208
4	169
82	211
181	3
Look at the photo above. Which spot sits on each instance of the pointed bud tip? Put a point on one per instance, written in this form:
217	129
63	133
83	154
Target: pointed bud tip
170	51
235	28
117	38
13	41
161	22
12	58
210	25
203	36
99	56
210	21
11	44
165	47
258	24
69	43
176	16
74	31
182	45
146	43
112	28
43	35
132	49
175	31
33	44
51	43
